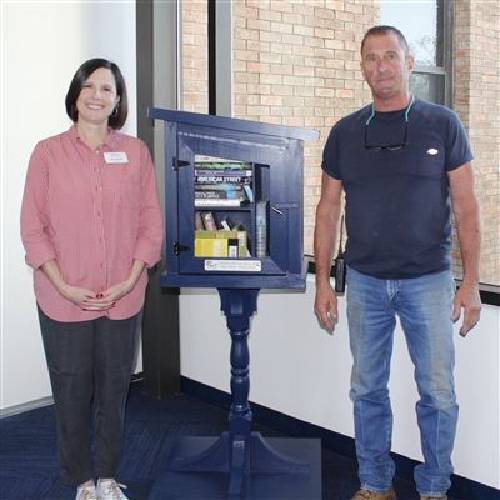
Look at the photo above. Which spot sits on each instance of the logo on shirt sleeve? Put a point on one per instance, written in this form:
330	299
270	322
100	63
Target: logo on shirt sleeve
432	151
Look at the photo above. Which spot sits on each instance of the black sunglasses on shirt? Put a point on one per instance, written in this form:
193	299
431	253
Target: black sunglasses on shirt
388	147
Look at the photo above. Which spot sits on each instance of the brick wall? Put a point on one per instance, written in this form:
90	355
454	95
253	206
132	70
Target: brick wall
297	63
194	56
476	100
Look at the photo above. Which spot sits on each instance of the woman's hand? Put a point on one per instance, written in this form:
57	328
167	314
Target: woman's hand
82	297
75	294
86	299
108	298
115	292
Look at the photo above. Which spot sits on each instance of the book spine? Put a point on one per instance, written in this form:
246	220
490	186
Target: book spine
219	195
221	179
208	202
260	229
218	187
221	172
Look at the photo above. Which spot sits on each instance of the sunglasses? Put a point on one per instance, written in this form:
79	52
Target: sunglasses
388	147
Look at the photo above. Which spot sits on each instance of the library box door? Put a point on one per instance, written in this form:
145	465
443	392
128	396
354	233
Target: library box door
233	183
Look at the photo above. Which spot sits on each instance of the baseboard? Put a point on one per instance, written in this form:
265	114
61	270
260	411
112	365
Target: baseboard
46	401
30	405
461	487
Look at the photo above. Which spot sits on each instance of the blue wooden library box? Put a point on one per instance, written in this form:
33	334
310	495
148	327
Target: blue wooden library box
234	221
234	202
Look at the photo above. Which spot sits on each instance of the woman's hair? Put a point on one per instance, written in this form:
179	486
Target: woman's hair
119	115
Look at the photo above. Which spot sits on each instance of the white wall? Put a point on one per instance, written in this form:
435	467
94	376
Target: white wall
43	43
298	369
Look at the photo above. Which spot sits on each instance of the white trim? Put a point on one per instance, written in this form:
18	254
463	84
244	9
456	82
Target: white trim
30	405
224	58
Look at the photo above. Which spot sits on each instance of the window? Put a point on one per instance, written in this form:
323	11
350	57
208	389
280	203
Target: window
426	26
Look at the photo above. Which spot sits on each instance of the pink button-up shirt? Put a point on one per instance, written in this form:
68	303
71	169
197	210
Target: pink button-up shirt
93	217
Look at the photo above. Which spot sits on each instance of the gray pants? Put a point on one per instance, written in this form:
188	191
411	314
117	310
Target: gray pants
89	361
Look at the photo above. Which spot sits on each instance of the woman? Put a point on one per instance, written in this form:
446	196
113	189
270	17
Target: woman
91	224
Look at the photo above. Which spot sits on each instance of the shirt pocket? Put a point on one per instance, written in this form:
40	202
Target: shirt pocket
429	161
129	192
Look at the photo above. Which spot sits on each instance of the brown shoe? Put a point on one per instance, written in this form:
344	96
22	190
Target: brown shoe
425	497
374	495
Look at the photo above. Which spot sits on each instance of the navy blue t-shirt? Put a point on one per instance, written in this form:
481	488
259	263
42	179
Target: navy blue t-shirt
397	201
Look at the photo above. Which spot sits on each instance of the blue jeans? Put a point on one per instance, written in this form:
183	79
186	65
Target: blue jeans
424	307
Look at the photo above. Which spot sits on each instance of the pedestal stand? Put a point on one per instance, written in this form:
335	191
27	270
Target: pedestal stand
238	452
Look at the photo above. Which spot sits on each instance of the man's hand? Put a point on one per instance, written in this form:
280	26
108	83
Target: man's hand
325	229
466	211
325	307
468	299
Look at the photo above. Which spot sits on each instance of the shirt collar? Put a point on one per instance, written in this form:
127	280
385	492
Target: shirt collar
112	138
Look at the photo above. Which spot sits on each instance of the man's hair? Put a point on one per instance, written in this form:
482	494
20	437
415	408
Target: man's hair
118	117
384	29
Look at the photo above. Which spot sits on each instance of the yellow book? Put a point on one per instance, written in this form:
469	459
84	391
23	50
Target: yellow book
209	244
215	243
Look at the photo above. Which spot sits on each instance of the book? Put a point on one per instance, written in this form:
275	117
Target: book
261	229
221	179
198	223
220	195
214	162
219	187
222	172
209	202
248	192
208	221
210	247
220	243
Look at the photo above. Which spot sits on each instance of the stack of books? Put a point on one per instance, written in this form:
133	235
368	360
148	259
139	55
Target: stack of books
214	238
221	182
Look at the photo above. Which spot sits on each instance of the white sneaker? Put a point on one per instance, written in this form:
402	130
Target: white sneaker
86	492
109	489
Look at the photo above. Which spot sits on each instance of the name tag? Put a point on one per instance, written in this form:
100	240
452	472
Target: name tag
114	157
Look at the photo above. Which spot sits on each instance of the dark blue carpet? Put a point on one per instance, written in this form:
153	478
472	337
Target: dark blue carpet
28	460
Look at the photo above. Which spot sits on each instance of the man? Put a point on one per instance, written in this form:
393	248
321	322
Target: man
399	161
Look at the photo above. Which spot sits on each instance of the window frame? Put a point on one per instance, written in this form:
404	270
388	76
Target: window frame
447	70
